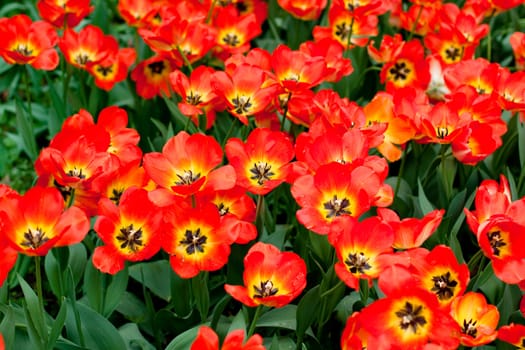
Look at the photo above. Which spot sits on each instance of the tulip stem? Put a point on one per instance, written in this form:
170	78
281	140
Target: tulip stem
259	214
256	316
38	277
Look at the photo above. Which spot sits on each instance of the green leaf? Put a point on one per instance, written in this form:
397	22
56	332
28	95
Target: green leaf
133	338
25	130
104	291
63	344
280	343
180	118
424	203
276	238
98	332
155	275
6	326
132	308
116	289
63	263
307	311
238	322
508	303
34	312
219	309
200	291
184	340
34	337
181	296
58	324
59	111
284	317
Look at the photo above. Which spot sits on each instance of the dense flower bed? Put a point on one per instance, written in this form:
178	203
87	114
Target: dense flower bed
251	174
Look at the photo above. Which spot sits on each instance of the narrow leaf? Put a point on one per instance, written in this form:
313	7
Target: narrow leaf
424	203
25	129
58	324
99	333
115	290
307	311
33	307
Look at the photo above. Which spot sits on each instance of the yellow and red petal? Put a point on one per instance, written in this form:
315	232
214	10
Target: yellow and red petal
477	319
271	277
72	226
107	260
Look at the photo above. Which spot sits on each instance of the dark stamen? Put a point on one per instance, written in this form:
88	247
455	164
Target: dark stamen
357	263
130	238
410	317
444	286
261	172
34	238
400	71
337	207
194	241
266	289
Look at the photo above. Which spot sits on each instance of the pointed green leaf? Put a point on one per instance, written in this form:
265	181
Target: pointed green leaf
98	332
307	311
238	322
33	308
180	118
133	338
115	291
25	130
184	340
58	324
132	308
424	203
284	317
6	326
155	274
200	291
34	334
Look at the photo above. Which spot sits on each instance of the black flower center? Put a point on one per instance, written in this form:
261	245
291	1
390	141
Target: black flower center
34	238
469	328
352	5
82	59
444	286
453	53
194	241
223	209
76	173
336	207
242	104
187	178
399	71
357	263
231	39
343	31
115	195
130	238
65	191
442	132
410	317
105	71
261	172
193	98
157	67
496	242
23	50
265	289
